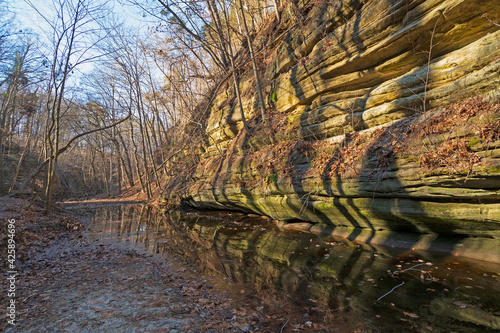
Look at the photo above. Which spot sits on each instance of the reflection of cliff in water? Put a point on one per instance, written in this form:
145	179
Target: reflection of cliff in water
391	290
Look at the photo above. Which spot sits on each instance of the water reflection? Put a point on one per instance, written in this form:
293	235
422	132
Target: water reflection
393	291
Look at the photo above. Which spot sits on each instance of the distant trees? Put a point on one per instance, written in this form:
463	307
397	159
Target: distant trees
163	88
130	83
6	30
17	78
76	30
39	105
15	107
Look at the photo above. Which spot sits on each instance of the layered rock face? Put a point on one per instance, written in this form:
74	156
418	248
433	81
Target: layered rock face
365	138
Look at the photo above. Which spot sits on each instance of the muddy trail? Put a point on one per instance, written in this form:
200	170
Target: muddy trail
69	282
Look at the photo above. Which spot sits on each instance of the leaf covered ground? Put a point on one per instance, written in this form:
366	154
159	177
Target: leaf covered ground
452	139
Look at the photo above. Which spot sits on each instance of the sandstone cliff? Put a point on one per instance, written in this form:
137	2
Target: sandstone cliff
372	123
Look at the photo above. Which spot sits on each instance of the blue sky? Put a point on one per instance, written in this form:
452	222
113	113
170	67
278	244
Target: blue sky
29	20
28	17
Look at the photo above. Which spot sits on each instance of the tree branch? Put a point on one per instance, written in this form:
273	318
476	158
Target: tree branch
60	151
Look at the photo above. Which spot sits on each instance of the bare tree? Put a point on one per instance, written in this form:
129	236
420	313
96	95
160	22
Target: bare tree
76	33
254	65
234	71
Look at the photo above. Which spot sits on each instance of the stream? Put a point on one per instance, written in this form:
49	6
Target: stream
249	258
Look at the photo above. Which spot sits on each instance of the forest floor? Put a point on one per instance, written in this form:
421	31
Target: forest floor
70	282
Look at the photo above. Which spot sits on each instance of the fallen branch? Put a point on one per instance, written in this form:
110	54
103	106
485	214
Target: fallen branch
408	269
62	150
284	326
399	285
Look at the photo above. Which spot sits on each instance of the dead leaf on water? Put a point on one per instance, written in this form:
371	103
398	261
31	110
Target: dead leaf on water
462	305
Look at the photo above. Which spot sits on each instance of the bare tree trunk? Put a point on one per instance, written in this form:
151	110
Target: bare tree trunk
93	175
118	172
84	174
105	173
57	104
235	74
137	166
254	65
21	159
1	170
147	182
239	22
214	13
4	129
128	165
276	7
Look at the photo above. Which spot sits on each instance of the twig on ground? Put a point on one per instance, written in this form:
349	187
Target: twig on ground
284	326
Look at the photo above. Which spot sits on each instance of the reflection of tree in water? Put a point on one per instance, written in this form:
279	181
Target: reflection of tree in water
312	272
305	272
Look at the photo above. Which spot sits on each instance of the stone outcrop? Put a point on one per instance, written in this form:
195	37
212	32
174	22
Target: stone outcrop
345	80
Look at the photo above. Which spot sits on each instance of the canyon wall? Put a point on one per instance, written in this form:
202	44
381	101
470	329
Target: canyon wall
383	117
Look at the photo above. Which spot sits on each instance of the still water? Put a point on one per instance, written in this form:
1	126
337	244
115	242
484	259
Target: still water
387	289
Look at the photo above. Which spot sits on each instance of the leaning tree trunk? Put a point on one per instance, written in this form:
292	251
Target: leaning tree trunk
254	65
235	74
